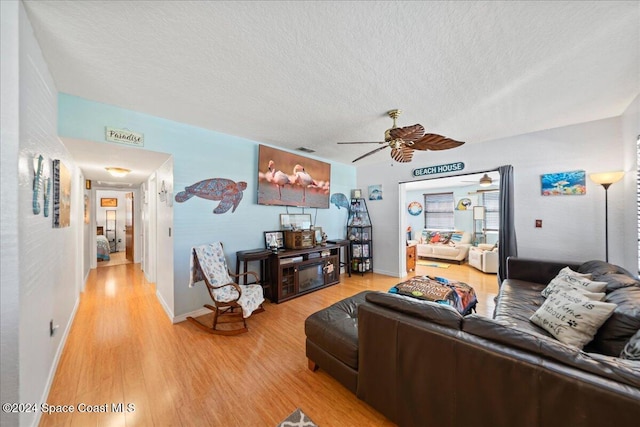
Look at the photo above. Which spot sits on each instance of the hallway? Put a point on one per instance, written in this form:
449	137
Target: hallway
122	348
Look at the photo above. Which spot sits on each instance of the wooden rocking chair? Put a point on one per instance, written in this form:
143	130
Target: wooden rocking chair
231	302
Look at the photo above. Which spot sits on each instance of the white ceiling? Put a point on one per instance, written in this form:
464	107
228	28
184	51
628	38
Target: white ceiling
313	73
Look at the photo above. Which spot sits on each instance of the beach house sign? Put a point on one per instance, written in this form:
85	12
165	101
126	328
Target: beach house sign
431	170
124	136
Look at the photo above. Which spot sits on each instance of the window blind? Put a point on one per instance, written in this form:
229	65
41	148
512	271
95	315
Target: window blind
438	211
491	203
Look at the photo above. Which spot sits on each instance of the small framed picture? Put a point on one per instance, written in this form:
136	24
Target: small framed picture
295	221
317	234
109	202
365	250
274	239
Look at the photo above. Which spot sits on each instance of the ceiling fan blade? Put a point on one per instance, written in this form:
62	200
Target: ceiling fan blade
409	133
370	153
432	141
402	155
369	142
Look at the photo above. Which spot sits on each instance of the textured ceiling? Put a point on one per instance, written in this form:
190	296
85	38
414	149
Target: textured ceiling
310	74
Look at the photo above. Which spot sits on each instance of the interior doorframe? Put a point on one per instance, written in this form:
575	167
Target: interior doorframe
402	193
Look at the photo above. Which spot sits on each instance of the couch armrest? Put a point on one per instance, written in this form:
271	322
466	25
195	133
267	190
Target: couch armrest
536	270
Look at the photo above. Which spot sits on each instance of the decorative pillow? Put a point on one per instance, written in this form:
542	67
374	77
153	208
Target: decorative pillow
569	272
456	237
631	351
445	237
435	238
557	285
574	282
571	317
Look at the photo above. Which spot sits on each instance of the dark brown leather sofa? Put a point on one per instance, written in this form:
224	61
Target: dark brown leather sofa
423	364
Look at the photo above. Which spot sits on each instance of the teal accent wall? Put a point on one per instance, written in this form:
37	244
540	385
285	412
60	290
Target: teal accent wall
200	154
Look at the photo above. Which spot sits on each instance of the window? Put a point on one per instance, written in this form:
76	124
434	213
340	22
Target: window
491	203
438	211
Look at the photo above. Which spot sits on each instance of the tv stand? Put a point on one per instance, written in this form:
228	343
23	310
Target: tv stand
300	271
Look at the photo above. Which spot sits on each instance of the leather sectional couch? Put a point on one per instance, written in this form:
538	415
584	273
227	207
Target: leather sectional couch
423	364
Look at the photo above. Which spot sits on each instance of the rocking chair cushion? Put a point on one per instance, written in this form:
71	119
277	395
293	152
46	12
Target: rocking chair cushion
214	268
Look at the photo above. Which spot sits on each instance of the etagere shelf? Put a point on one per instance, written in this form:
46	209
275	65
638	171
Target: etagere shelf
360	235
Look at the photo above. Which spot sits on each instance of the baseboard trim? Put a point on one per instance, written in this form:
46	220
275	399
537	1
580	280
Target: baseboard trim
164	305
195	313
56	359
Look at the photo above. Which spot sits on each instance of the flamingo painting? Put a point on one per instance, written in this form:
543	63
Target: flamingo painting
302	178
308	180
279	178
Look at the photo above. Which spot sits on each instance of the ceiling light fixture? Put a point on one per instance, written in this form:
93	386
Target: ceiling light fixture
118	172
485	181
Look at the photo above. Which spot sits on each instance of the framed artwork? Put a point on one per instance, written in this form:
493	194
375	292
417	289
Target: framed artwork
61	195
375	192
106	202
414	208
289	179
86	209
274	239
317	233
295	221
87	184
563	183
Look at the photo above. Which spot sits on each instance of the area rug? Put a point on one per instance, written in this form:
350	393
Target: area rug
297	419
431	264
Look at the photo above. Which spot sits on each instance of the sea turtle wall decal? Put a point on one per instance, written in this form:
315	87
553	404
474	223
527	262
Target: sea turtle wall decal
227	191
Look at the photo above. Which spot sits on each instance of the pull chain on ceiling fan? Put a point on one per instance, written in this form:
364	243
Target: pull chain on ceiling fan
404	141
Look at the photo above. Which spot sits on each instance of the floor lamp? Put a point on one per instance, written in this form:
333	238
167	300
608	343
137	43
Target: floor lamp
606	179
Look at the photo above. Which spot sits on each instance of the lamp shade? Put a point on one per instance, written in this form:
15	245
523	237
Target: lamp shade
606	177
478	212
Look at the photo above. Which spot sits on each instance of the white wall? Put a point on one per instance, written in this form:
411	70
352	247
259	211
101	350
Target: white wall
164	238
573	226
630	135
9	244
48	266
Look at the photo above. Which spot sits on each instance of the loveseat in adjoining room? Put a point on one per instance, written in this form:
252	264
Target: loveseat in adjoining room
422	363
450	246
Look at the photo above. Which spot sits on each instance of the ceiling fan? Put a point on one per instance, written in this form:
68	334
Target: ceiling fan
403	141
484	181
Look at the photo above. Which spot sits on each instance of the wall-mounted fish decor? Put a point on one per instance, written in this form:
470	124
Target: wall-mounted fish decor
229	192
340	200
37	179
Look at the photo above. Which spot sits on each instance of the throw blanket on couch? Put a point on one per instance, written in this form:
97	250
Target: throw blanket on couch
459	295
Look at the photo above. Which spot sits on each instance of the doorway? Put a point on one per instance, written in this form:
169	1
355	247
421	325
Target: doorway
115	218
470	207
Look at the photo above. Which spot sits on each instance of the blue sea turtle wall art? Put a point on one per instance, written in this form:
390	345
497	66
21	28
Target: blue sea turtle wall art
340	200
227	191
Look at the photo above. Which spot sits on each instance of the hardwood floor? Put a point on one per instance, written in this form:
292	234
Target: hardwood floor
122	348
116	258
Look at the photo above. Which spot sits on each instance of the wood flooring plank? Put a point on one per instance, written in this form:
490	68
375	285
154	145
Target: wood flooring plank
122	349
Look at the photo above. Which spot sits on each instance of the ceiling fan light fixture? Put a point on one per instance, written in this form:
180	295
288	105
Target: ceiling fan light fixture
118	172
485	181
